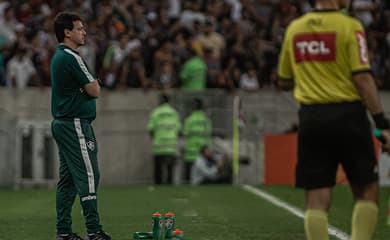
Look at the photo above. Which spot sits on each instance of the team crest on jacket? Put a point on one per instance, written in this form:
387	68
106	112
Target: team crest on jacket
91	145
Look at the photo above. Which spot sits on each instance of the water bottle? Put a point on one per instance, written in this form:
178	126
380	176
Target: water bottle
178	235
157	221
169	222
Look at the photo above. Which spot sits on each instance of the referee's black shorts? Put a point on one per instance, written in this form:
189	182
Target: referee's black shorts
330	134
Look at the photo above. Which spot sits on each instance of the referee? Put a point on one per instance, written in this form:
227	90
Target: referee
325	57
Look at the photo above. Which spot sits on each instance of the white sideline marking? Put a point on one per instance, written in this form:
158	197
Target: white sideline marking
297	212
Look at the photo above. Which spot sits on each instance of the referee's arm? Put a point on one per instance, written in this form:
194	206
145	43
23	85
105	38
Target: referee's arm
366	87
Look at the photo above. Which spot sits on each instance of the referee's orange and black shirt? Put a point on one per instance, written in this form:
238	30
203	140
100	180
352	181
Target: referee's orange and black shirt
320	53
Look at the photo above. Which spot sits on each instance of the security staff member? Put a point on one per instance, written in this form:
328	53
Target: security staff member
197	133
164	127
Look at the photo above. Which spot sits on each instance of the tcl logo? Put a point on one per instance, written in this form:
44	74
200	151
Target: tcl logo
312	47
362	44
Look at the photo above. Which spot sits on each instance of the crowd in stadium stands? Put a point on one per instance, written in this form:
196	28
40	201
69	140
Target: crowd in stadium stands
149	43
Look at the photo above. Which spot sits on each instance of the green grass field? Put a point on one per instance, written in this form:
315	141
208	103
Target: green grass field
204	213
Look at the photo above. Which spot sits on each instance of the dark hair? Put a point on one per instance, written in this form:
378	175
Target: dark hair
203	149
64	20
8	8
163	98
198	104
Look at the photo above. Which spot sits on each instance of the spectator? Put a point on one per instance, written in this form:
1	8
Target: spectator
180	50
194	72
47	44
163	54
164	77
20	70
231	73
246	30
248	80
363	9
113	60
284	13
211	39
8	25
236	9
164	126
214	71
184	43
40	62
190	14
174	8
3	5
139	21
133	72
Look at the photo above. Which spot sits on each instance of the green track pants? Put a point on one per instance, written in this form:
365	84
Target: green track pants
78	173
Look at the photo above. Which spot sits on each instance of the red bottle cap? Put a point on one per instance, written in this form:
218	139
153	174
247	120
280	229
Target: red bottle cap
156	214
169	214
177	232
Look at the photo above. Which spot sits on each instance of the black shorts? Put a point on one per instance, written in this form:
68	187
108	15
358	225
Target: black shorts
330	134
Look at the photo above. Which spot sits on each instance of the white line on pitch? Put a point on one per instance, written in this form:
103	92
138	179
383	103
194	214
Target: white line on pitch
297	212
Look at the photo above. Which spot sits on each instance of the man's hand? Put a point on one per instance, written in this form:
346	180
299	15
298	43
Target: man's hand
92	89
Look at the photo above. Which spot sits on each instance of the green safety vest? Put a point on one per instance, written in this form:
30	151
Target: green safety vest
165	125
197	133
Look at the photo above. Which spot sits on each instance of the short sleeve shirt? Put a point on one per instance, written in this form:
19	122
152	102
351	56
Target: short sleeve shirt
69	73
321	51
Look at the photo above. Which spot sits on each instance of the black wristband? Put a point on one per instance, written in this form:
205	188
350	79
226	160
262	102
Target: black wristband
99	82
381	121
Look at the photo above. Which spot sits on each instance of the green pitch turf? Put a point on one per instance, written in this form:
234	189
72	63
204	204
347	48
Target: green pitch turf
204	213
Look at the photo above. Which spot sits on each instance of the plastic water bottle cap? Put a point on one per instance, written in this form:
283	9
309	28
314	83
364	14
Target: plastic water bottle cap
177	232
169	214
156	214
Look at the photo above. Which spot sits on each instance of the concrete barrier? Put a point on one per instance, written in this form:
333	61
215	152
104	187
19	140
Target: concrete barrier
124	144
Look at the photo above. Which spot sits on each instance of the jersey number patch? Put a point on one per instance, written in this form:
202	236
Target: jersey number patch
362	45
318	47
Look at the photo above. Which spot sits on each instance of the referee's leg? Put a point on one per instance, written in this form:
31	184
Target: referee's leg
360	166
365	211
318	202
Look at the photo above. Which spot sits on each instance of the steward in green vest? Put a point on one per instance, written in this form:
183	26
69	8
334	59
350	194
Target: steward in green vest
164	127
197	133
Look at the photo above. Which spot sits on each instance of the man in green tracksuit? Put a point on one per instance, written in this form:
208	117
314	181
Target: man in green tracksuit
197	133
194	73
164	127
74	90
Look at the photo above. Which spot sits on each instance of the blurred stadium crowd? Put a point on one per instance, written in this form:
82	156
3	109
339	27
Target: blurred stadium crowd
145	43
